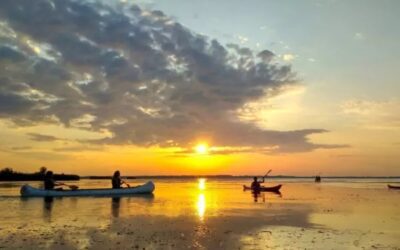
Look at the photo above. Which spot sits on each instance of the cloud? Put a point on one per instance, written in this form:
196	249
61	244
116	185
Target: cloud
266	55
137	75
14	149
373	114
288	57
42	138
271	150
344	155
366	107
78	148
10	54
48	156
222	151
242	39
21	148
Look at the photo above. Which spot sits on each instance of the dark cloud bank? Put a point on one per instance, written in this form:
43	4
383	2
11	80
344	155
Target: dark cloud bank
139	75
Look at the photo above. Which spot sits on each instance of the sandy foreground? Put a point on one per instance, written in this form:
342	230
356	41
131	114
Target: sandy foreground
305	216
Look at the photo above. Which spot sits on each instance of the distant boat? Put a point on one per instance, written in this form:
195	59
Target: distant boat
393	187
28	191
317	178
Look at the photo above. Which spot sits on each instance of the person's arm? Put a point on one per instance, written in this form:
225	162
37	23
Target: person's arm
58	183
124	182
121	181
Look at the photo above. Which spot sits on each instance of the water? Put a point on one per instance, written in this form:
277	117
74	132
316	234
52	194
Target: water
207	212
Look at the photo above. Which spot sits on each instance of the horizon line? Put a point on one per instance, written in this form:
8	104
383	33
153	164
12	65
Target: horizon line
240	176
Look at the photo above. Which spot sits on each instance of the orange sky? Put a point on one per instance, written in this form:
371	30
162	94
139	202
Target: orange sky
133	160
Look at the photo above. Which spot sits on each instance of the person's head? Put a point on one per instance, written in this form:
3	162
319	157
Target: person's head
49	174
117	174
255	178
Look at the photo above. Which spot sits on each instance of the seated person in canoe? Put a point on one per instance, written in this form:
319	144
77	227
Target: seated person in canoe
117	181
49	182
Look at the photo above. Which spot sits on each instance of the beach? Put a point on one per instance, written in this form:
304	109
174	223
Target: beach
207	214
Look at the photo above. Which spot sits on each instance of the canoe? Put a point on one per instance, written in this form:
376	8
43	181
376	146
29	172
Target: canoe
264	189
393	187
29	191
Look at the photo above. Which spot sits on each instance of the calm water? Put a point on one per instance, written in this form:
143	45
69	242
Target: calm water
361	207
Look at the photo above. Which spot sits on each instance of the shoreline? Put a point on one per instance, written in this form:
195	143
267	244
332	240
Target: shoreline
71	177
94	177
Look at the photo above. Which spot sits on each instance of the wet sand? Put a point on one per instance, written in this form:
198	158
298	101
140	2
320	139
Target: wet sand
213	215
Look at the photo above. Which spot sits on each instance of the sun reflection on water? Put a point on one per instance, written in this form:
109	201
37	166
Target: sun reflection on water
202	183
201	198
201	206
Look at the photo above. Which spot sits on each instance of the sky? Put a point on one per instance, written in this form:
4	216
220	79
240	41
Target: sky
200	87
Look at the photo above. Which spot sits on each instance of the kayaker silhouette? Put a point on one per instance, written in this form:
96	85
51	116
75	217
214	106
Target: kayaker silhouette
116	180
255	185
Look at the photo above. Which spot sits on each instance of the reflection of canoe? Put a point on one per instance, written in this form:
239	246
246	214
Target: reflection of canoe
393	187
28	191
264	189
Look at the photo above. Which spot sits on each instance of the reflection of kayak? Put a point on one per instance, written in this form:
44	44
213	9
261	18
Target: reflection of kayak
264	189
393	187
28	191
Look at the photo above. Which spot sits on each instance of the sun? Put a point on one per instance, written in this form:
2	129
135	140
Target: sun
201	148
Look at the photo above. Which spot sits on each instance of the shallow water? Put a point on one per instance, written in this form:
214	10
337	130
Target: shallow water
209	214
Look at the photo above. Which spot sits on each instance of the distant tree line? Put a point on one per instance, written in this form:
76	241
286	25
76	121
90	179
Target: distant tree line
8	174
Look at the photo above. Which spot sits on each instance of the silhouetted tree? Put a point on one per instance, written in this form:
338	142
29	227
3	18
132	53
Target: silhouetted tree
6	171
8	174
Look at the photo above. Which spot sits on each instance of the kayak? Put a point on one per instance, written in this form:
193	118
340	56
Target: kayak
393	187
265	189
29	191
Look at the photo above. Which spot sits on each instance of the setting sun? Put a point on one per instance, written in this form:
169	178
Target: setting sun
201	148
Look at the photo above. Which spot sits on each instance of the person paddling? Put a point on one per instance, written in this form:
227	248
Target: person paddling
117	181
255	185
49	182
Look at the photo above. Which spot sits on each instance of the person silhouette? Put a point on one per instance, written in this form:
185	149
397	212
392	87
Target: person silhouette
116	180
49	182
255	185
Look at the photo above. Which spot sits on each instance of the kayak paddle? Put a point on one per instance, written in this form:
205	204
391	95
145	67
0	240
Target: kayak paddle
72	187
269	171
126	184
